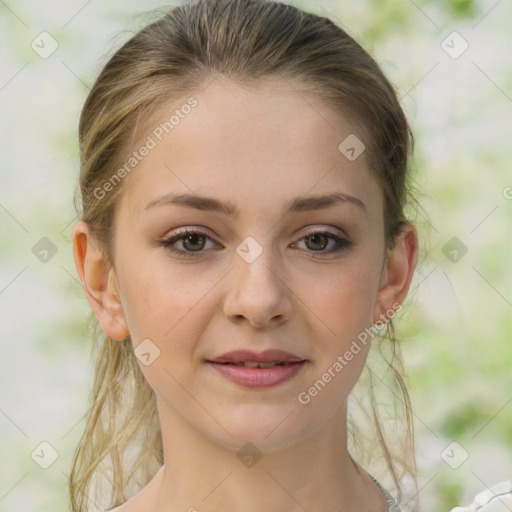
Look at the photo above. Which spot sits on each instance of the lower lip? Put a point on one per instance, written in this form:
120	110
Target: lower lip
258	377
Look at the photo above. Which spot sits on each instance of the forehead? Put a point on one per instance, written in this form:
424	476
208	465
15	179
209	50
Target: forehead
258	145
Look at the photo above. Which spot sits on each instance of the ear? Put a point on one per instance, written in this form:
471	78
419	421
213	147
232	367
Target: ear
397	271
99	283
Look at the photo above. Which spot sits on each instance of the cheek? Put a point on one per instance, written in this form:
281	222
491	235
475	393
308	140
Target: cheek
149	290
169	308
344	309
344	300
166	304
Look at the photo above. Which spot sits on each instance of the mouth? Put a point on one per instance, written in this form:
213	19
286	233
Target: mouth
259	364
258	374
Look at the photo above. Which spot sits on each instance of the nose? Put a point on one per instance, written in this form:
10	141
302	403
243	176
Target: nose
258	291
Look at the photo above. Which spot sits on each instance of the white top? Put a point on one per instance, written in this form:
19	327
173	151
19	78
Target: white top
497	498
391	502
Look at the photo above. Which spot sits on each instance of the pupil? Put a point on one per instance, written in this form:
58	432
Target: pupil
315	237
194	239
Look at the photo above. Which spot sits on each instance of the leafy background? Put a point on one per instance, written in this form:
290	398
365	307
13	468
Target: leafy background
456	328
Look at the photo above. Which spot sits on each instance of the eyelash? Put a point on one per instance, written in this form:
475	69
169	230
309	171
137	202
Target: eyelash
342	243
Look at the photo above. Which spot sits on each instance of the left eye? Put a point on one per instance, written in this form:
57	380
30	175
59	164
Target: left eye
194	242
186	237
322	239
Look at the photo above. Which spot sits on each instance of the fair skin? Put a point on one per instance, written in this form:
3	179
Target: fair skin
258	148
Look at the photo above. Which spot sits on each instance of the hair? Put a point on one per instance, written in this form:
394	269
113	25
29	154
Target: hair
247	41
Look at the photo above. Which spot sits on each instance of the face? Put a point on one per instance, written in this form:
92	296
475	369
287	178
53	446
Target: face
306	280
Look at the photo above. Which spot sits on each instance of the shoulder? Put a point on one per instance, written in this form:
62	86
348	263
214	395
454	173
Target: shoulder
497	498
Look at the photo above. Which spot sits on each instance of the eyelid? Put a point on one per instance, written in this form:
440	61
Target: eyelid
191	229
331	230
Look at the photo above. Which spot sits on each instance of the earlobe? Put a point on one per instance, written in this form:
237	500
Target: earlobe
99	283
398	272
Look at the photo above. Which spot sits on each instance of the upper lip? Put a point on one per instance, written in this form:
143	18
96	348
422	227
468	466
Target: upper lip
267	356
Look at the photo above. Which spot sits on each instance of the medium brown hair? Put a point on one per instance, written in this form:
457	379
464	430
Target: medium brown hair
246	41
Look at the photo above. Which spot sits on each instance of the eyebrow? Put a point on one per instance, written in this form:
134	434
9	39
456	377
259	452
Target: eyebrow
299	204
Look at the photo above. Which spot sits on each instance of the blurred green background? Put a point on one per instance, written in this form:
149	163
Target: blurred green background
455	329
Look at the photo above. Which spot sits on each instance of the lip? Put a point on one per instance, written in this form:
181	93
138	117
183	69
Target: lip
267	356
258	377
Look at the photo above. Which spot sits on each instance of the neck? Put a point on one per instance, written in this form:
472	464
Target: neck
316	473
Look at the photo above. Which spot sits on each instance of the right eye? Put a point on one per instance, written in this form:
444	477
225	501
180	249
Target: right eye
188	238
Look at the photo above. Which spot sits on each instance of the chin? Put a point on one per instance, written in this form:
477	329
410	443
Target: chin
268	430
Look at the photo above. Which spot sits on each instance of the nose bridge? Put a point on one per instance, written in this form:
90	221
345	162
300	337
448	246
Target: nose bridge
256	260
258	290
